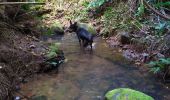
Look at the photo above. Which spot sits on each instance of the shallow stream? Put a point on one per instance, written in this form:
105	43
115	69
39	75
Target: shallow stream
89	75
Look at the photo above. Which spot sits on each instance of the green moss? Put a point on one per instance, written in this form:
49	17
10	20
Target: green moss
54	50
126	94
88	27
55	27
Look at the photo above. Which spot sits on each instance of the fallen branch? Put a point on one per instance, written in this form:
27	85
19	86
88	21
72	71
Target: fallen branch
19	3
156	11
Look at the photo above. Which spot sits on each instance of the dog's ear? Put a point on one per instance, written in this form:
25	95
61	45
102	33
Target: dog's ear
70	22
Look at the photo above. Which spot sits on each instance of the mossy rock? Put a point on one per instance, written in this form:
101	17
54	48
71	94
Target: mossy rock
54	50
55	28
88	27
126	94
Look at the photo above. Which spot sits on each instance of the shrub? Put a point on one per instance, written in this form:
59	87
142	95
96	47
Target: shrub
159	66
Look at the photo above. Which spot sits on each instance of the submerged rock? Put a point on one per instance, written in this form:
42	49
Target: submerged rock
126	94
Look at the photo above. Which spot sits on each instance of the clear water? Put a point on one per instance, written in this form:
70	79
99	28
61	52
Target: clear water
89	75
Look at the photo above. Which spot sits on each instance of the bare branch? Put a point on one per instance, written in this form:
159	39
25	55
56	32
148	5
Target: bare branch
156	11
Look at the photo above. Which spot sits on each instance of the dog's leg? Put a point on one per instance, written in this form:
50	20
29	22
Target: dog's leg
91	45
85	44
79	40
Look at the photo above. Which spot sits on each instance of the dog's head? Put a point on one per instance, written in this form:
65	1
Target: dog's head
73	26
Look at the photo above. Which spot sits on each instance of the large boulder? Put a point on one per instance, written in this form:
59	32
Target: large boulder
126	94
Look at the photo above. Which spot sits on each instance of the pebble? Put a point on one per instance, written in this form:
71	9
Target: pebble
17	98
32	46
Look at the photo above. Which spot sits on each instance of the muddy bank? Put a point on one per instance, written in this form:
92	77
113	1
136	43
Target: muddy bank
21	56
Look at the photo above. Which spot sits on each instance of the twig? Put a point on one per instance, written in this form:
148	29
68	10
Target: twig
17	12
156	11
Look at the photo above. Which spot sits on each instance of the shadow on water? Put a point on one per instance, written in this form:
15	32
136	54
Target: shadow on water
87	76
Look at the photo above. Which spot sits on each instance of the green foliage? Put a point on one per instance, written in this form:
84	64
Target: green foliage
160	65
96	3
54	50
137	24
115	18
54	54
25	7
28	7
56	25
85	3
79	14
126	94
141	10
160	28
162	4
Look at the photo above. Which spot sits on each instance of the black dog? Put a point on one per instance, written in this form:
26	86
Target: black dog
83	35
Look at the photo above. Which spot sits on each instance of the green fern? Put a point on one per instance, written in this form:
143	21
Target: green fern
160	65
163	4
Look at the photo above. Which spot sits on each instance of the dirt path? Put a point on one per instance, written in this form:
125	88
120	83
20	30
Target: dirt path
87	76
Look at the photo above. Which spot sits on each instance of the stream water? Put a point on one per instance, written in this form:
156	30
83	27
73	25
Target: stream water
89	75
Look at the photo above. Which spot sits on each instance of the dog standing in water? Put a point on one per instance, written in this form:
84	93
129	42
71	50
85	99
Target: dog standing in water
84	37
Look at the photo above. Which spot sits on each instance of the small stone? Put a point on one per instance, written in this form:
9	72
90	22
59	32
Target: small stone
145	54
17	98
32	46
138	63
159	55
34	53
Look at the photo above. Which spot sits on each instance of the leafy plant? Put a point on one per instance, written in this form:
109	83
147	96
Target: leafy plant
115	18
159	66
141	10
160	28
96	3
85	3
163	4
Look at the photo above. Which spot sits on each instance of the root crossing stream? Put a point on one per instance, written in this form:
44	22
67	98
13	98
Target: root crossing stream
88	76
